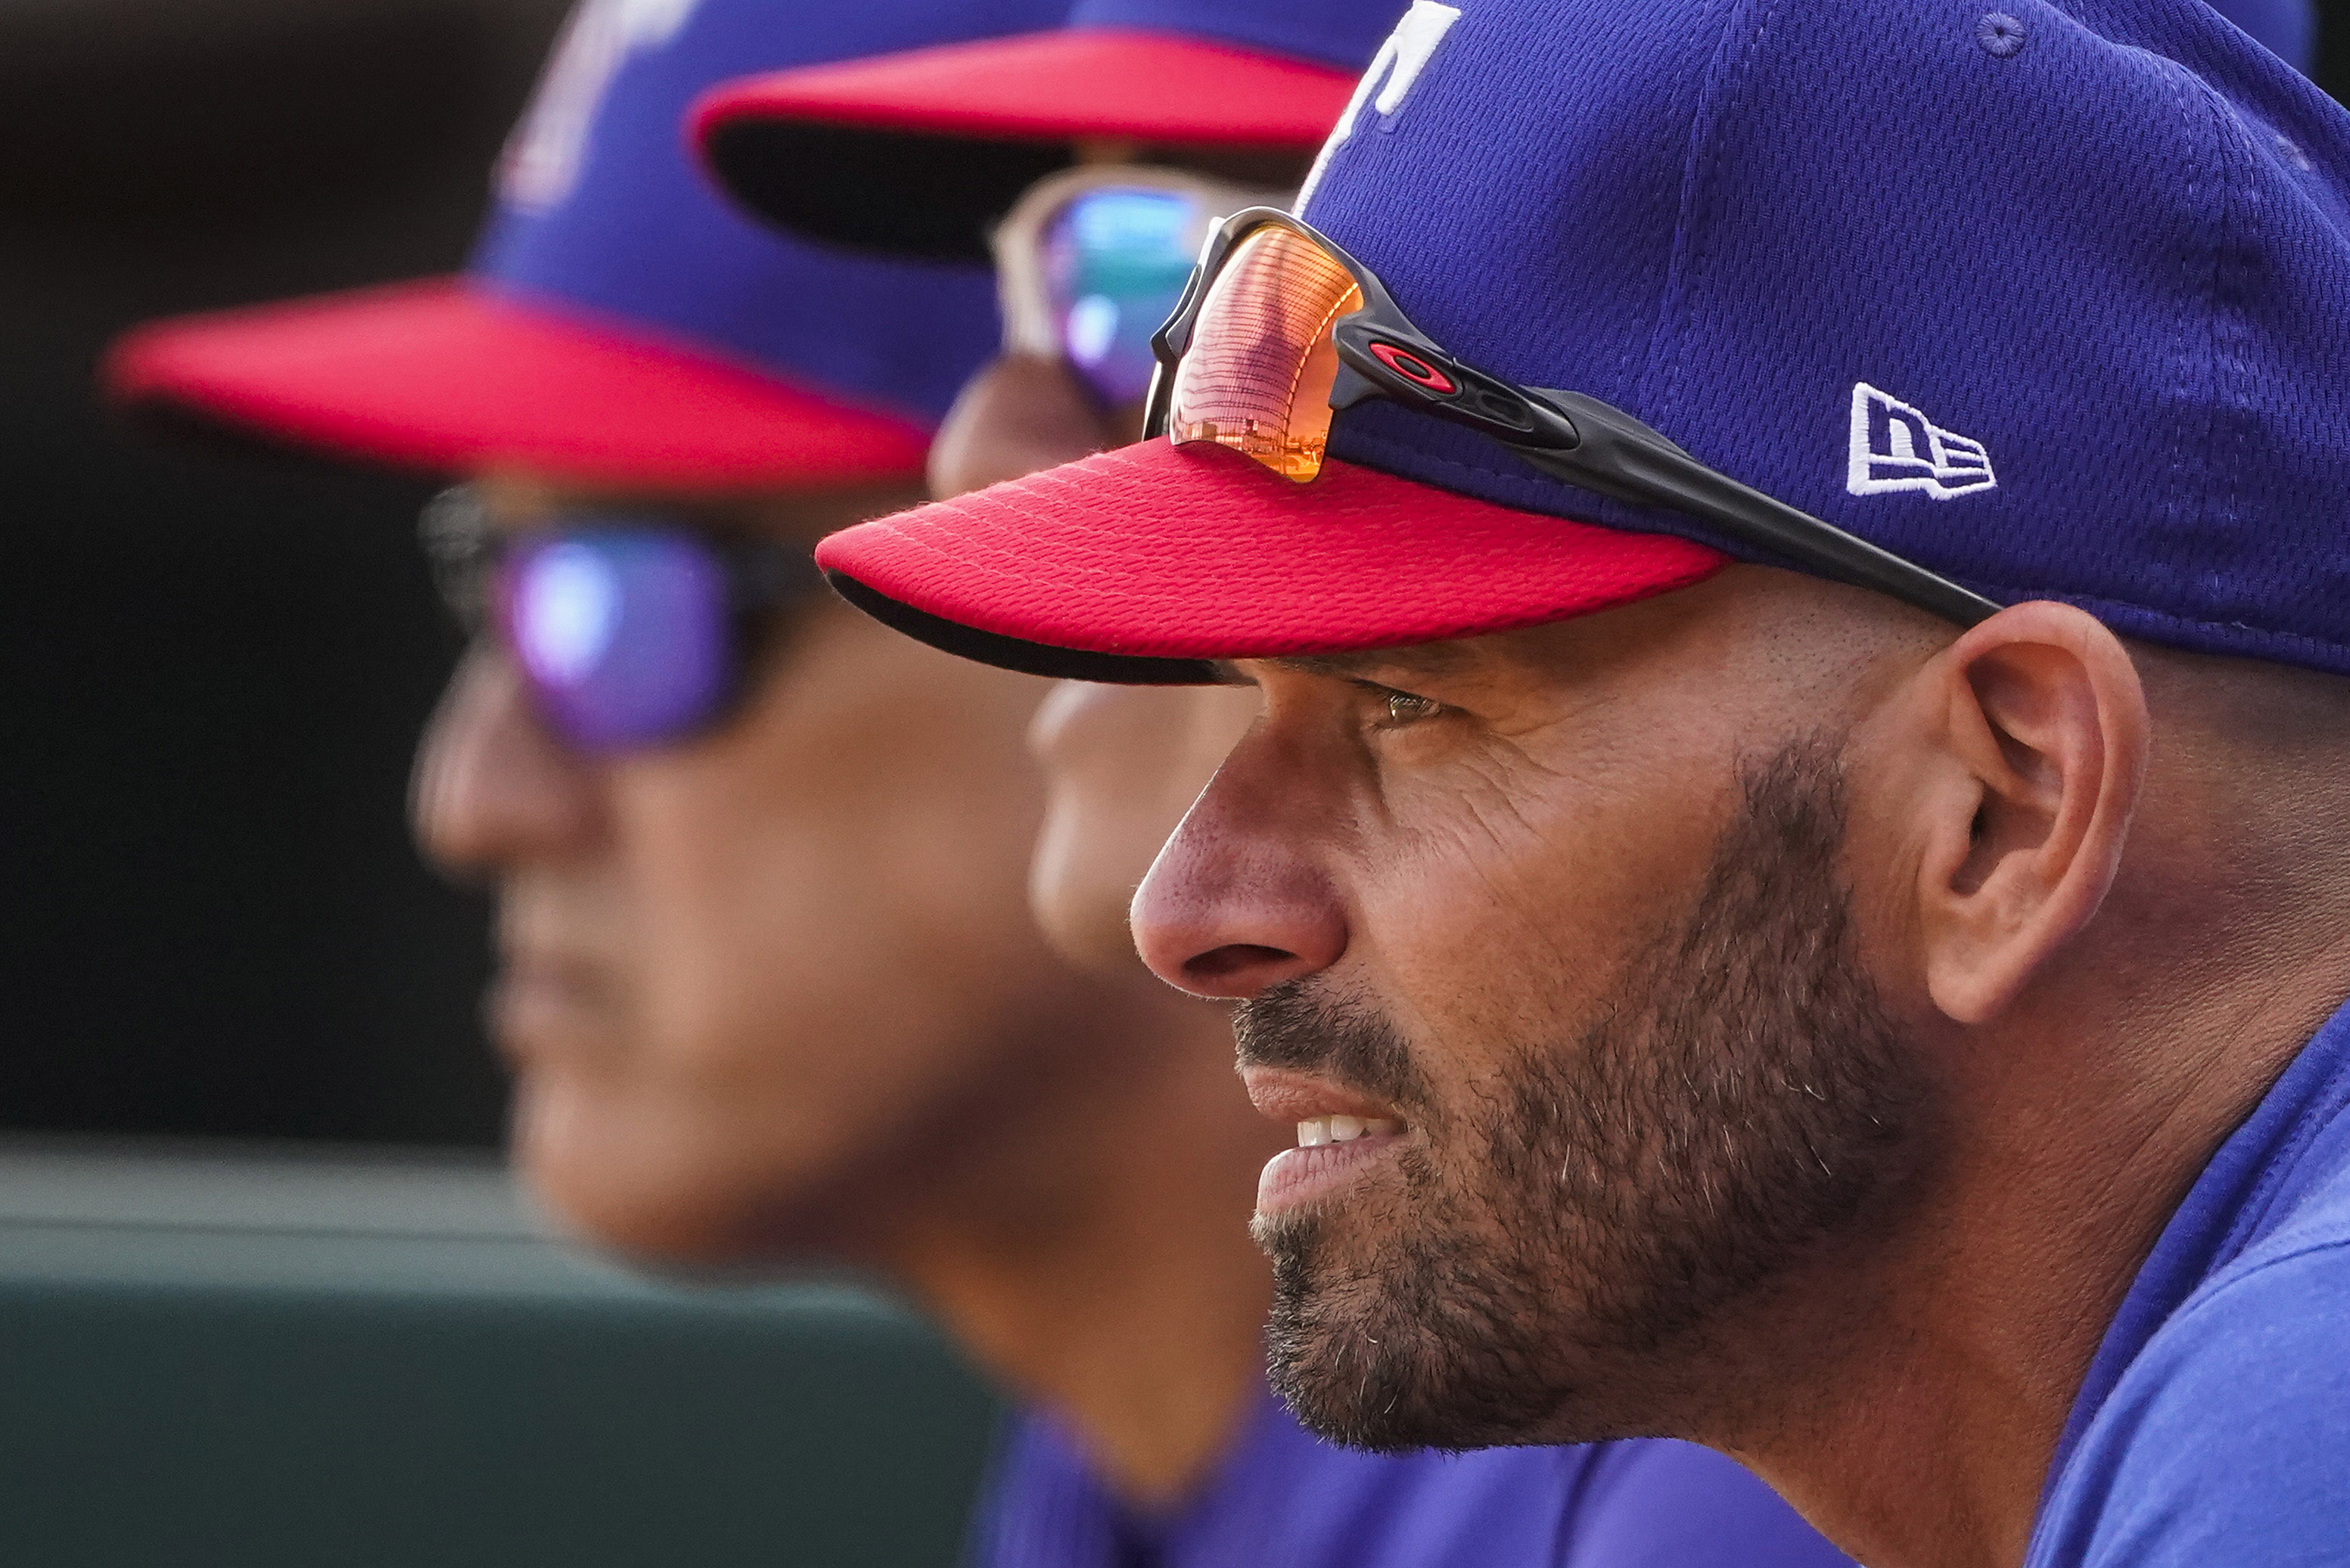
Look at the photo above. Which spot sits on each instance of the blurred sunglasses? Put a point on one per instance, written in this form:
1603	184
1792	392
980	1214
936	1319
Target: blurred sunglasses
1089	262
631	630
1279	328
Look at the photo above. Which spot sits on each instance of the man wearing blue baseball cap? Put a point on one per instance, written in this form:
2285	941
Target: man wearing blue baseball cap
1792	870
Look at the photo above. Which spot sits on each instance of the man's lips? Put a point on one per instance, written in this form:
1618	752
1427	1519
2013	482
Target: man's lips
539	1001
1340	1136
1287	1095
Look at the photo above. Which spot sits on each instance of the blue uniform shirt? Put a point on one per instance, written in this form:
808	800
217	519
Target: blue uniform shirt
2214	1426
1283	1499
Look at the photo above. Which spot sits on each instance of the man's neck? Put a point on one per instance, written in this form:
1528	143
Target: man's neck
1093	1253
1923	1434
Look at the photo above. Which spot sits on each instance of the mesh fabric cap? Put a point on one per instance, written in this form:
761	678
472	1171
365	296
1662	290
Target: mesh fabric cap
2055	300
620	321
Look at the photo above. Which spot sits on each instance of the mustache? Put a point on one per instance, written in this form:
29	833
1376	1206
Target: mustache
1294	1026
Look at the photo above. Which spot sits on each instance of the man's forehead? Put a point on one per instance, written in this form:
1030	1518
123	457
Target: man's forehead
1424	658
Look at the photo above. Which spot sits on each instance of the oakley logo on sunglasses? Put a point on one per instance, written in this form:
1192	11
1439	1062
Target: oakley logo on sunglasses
1393	69
1414	368
1894	447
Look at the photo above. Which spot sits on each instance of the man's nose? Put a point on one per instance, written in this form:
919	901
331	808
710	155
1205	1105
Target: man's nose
492	788
1021	414
1238	901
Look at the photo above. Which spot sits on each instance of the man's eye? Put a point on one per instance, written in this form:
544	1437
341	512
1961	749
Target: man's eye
1403	708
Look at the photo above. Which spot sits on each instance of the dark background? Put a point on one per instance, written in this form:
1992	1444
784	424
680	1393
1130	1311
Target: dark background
214	668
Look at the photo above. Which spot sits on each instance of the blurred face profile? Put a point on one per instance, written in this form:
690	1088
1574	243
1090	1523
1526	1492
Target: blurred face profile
1121	764
755	977
1092	261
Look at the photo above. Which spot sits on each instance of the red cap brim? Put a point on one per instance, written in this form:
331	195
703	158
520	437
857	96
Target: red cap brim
1082	82
1140	565
447	377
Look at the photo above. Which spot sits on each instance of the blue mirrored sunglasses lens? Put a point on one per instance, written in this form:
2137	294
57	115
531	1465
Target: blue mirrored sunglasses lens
624	634
1115	261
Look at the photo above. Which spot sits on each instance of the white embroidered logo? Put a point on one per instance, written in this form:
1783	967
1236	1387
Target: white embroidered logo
1895	447
541	162
1393	69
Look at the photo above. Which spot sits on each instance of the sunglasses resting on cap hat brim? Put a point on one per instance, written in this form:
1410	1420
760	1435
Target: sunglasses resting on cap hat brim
1277	332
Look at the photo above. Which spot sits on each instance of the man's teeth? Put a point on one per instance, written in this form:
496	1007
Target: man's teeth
1317	1131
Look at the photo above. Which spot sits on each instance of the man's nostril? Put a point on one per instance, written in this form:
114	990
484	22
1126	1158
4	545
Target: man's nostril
1235	958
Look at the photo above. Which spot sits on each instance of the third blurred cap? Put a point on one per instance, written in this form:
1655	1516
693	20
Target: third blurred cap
918	152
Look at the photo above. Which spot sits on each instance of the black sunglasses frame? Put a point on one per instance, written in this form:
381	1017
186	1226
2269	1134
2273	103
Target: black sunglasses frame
464	550
764	577
1569	436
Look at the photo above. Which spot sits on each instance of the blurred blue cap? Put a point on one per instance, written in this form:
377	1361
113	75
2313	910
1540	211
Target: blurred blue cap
951	136
621	322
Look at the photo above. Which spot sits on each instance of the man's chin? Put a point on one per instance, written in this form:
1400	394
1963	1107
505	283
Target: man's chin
679	1185
1325	1355
1402	1348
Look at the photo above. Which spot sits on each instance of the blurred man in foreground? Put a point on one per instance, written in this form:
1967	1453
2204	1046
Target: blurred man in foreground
1881	1018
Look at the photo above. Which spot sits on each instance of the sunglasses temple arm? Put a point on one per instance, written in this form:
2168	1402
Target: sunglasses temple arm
1624	459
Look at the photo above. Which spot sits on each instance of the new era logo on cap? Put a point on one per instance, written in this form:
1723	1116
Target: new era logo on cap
1895	448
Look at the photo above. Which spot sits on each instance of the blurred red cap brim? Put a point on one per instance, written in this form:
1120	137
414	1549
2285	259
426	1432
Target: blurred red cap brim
1081	82
1144	563
448	377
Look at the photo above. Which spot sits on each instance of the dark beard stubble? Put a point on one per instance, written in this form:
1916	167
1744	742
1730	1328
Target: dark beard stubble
1554	1252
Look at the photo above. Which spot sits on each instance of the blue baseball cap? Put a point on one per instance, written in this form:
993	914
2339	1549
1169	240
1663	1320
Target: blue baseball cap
619	322
2052	300
926	148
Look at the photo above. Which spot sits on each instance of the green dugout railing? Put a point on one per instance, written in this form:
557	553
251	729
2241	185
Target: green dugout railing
264	1359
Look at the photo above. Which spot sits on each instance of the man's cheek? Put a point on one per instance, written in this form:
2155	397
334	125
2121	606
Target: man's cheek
1465	976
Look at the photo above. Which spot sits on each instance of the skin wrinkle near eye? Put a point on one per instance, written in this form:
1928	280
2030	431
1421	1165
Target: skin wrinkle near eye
1492	810
1495	809
1480	760
1521	904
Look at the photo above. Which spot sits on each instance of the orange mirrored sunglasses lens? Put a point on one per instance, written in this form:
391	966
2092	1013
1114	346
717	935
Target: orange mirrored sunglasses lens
1257	376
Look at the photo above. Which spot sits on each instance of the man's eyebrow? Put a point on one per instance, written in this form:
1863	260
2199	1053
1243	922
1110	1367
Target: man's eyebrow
1425	658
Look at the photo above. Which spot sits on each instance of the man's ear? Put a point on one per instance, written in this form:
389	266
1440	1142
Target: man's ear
2041	726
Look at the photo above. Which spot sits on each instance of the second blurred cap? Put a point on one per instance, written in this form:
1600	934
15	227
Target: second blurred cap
619	322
